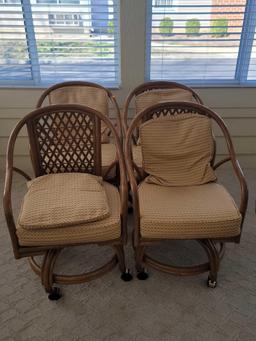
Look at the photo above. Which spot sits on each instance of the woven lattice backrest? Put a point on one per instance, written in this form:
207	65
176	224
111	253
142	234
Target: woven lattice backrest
168	112
65	141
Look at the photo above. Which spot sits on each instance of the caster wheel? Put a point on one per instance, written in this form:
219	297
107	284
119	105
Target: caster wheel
211	284
142	275
126	276
55	295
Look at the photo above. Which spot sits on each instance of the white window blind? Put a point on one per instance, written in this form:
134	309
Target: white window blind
202	41
14	56
252	66
61	40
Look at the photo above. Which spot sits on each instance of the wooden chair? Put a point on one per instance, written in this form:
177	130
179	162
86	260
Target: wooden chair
148	94
98	98
58	210
178	197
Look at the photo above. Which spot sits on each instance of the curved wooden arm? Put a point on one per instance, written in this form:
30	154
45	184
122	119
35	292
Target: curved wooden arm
123	188
7	197
22	173
221	162
241	179
118	116
243	188
133	185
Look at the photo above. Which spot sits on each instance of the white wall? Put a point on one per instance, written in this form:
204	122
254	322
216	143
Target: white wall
236	105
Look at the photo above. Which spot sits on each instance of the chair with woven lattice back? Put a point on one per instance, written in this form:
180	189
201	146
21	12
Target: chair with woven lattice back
178	196
96	97
68	203
148	94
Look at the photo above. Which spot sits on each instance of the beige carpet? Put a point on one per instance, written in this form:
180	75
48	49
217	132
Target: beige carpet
162	308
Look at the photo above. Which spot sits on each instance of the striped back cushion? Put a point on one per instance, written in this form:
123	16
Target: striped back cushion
146	99
92	97
177	150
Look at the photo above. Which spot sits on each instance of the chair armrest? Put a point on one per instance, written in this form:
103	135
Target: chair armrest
134	192
241	179
7	196
8	211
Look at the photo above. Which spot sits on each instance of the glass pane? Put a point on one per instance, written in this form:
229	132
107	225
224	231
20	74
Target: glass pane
14	57
252	67
196	40
78	41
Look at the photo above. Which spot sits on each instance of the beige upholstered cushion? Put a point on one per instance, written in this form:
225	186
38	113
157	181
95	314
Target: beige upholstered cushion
177	150
64	199
206	211
101	230
92	97
151	97
148	98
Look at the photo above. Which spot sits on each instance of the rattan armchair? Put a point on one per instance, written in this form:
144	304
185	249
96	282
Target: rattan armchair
178	196
65	144
98	98
148	94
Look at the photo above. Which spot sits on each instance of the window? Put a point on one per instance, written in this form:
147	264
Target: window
49	2
49	41
64	20
163	3
202	41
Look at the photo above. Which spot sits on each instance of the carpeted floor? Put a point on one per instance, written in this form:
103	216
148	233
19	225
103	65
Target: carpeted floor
162	308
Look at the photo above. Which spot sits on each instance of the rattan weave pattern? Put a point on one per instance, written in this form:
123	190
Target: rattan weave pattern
65	142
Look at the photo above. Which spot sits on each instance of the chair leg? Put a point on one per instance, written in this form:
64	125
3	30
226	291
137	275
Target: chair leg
126	276
214	263
141	271
47	274
130	207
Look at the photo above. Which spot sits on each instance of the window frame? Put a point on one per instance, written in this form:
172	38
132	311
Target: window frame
248	36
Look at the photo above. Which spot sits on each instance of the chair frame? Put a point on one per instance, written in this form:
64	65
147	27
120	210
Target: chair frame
112	99
148	86
51	252
214	248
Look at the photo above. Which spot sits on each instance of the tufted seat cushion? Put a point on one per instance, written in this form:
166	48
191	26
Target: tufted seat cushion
64	199
206	211
97	231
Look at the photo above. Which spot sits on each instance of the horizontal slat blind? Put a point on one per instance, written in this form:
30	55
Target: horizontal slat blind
198	41
14	57
252	67
71	40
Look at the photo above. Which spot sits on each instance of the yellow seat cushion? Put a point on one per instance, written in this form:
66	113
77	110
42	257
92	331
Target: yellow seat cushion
177	150
64	199
101	230
206	211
